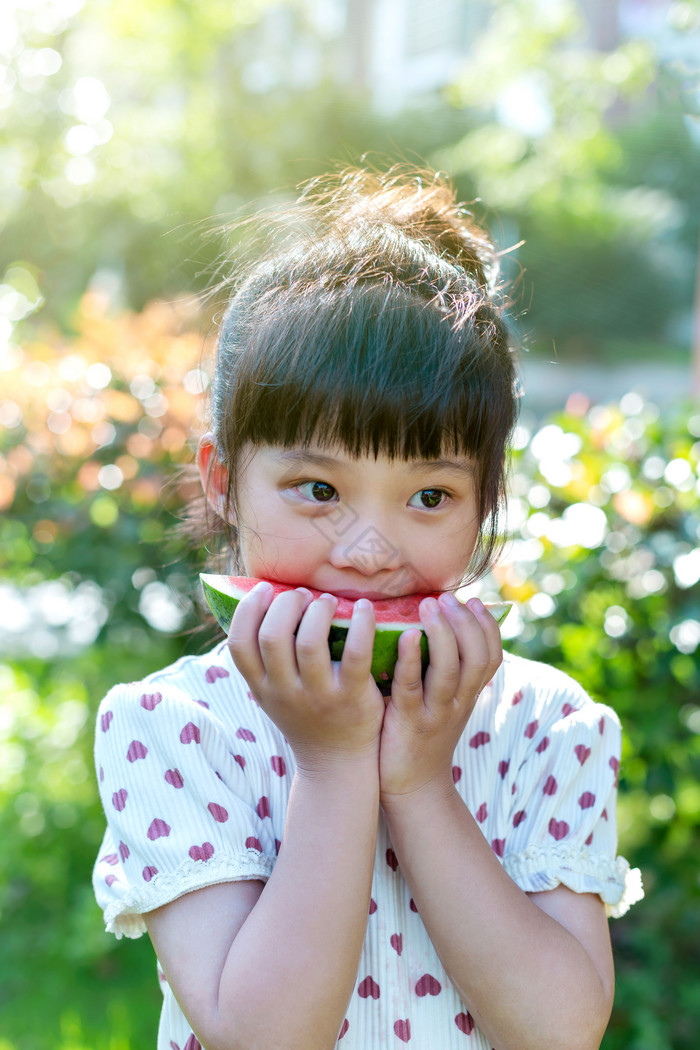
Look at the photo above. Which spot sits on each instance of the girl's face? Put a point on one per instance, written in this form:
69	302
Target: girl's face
364	527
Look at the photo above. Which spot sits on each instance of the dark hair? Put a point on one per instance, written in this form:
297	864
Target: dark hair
372	321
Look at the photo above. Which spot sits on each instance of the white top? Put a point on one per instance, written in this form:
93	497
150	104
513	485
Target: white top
195	778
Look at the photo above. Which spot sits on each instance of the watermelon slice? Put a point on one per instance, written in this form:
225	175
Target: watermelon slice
392	615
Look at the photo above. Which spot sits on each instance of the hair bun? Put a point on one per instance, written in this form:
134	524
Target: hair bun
421	204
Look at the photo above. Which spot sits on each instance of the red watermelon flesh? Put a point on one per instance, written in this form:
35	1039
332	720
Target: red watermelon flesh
392	616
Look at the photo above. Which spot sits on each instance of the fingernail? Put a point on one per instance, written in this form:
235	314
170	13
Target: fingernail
363	603
263	587
451	600
330	597
475	604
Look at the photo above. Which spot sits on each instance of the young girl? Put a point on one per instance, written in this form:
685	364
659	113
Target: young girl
317	863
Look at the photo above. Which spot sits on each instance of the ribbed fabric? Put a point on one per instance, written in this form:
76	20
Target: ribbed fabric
195	779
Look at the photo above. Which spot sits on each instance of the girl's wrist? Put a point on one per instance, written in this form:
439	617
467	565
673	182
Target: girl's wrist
321	765
436	792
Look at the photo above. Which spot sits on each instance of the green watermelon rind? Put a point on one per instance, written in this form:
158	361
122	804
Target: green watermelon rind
386	640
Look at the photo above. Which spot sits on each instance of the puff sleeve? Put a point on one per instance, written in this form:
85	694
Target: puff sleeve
183	810
562	818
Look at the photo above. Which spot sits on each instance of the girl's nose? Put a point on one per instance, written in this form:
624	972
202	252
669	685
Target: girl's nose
367	549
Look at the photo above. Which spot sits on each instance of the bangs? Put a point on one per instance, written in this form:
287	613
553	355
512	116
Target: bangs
373	369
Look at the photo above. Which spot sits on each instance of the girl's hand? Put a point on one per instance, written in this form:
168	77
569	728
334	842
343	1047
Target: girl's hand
326	710
425	719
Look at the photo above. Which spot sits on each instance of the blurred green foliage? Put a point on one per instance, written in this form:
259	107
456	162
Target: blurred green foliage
605	567
127	129
603	564
590	156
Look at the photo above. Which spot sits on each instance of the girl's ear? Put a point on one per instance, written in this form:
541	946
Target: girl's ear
214	476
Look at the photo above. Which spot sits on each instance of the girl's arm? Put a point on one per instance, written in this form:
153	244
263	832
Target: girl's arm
535	972
275	966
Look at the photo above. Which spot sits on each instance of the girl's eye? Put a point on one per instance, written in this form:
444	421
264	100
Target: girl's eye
318	491
429	498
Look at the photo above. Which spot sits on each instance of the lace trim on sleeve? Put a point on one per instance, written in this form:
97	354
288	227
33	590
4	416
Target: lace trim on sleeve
123	917
543	868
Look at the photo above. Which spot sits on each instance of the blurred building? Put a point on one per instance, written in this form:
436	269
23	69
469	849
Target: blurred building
401	50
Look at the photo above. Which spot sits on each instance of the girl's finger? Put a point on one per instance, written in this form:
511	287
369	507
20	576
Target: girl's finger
244	629
492	631
276	635
312	655
407	686
356	661
479	646
444	666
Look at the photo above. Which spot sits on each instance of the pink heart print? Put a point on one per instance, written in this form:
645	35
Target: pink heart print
465	1023
192	1043
396	942
278	764
558	829
456	774
568	709
481	813
263	807
106	720
428	985
124	851
372	906
214	672
252	843
391	859
189	734
550	787
498	846
150	701
158	829
245	734
148	873
582	752
119	799
503	768
517	698
343	1029
174	778
402	1029
531	728
368	988
203	852
136	751
587	800
479	739
519	817
218	812
543	745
